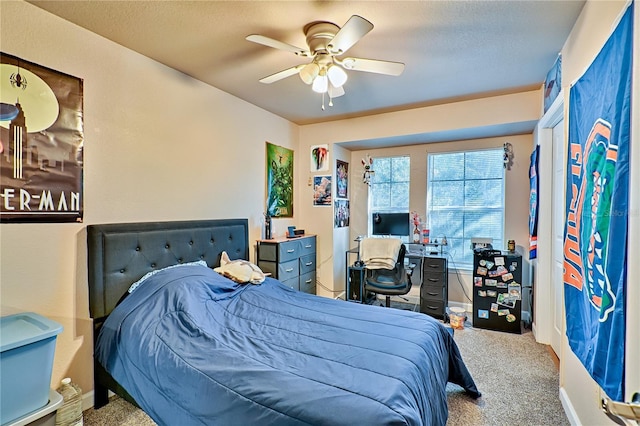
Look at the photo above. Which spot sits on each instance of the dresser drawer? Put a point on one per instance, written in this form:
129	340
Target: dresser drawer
434	278
288	270
268	252
434	264
308	282
307	263
435	308
289	250
268	267
307	246
294	283
432	292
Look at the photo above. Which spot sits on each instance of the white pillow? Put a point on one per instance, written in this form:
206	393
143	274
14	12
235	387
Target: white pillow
152	273
239	270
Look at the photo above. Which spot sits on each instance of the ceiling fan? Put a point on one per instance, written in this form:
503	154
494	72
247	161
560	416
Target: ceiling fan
326	44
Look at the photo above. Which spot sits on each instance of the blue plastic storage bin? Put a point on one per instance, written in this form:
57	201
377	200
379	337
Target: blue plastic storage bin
27	347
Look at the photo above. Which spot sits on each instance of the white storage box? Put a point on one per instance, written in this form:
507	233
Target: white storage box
27	347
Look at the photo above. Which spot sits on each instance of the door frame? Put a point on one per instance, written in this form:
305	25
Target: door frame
543	265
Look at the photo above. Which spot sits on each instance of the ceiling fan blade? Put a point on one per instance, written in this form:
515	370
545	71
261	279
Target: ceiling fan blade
352	31
281	75
276	44
373	65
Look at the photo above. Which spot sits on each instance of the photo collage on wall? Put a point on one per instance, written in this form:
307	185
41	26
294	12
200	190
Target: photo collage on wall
323	184
322	191
341	209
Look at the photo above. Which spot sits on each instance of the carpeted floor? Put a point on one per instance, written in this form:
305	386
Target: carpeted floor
517	377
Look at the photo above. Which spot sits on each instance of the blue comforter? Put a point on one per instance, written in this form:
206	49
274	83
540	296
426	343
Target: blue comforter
195	348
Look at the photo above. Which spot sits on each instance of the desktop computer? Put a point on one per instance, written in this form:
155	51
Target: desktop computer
355	285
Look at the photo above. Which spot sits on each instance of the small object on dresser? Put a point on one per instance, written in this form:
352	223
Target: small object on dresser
298	232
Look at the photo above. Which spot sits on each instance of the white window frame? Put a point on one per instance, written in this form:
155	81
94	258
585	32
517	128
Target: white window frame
370	209
458	262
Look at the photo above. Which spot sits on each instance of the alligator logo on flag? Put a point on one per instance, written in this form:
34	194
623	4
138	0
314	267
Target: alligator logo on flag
597	209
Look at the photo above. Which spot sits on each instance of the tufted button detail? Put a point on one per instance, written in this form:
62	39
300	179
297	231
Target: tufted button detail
138	248
166	246
180	260
202	256
190	243
122	271
153	265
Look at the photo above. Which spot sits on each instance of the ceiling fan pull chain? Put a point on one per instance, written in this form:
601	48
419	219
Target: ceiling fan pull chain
323	101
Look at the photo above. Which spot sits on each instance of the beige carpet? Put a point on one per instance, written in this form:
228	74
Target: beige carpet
516	375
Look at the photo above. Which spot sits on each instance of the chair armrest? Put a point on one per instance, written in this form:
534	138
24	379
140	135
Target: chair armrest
409	268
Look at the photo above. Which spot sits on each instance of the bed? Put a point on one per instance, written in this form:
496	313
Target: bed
192	347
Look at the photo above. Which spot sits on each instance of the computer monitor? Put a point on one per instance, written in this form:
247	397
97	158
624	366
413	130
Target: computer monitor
396	224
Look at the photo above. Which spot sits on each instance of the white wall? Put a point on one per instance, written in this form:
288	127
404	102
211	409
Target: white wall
158	145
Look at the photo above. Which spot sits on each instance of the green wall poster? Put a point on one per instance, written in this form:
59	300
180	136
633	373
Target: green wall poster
279	181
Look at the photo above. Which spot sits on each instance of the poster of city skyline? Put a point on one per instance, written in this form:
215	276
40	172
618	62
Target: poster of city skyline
41	141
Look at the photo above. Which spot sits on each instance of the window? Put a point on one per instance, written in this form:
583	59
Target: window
465	199
389	190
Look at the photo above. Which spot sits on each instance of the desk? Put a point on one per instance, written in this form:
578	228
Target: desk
431	274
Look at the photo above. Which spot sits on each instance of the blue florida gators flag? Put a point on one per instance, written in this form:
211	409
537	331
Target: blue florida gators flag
533	204
597	207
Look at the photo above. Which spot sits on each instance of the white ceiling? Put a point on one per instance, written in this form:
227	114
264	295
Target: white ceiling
453	50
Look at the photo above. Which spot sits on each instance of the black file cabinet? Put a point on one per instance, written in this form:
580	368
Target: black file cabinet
355	284
290	260
434	292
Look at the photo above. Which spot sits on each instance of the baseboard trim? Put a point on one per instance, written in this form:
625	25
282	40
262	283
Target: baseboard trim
572	416
87	400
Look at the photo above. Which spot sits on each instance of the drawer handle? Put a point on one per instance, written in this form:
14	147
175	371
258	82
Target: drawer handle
290	250
433	266
432	307
433	280
433	294
308	264
289	270
308	281
307	246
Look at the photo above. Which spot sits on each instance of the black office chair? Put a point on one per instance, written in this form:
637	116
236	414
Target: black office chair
389	282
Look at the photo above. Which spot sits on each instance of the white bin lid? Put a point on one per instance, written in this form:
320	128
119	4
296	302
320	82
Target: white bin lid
25	328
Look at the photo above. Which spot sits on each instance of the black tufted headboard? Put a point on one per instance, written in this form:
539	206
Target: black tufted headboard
121	253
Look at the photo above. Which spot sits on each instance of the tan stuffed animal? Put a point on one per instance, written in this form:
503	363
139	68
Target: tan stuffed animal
240	271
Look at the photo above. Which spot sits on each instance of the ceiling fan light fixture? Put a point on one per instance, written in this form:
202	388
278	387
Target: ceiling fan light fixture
321	83
335	92
337	76
309	72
